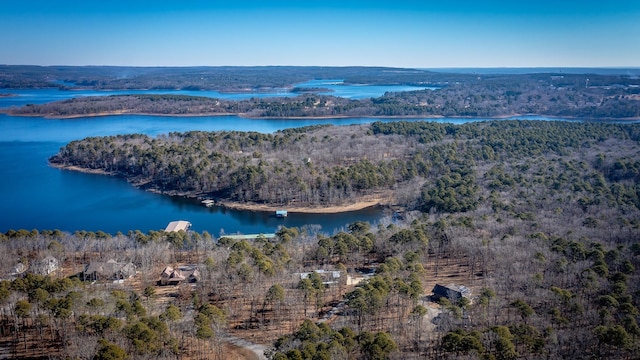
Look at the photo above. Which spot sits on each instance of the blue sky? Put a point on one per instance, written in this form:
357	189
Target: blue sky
423	34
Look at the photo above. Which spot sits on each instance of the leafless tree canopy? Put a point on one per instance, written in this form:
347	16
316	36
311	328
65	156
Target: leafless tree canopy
539	219
467	95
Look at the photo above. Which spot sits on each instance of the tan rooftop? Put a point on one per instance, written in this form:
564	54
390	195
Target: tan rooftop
178	225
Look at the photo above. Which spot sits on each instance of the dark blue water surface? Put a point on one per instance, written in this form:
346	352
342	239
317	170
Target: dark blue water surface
35	196
23	97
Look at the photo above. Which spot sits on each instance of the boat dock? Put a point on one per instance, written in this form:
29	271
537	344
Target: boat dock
249	236
208	202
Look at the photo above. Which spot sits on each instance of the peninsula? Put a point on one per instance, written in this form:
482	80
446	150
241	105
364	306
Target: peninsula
324	168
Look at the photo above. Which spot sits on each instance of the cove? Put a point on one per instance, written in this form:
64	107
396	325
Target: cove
37	196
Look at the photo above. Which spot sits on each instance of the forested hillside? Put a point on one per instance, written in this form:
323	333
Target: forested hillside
462	95
221	78
452	101
420	165
541	220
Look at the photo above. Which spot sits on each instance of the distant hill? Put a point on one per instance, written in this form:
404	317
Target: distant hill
628	71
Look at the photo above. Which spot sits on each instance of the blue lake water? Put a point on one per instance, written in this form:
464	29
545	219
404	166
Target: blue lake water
351	91
36	196
338	88
41	96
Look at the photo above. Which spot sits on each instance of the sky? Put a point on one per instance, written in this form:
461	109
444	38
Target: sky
414	34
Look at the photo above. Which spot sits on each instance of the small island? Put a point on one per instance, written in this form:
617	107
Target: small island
310	90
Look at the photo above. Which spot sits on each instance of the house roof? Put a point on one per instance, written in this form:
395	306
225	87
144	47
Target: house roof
167	271
182	273
172	273
19	268
328	273
178	225
451	290
109	268
45	266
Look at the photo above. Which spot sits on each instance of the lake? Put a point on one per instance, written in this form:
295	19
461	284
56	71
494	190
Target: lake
36	196
337	87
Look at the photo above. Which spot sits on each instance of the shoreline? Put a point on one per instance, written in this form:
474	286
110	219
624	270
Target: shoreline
360	204
80	169
242	115
333	209
324	117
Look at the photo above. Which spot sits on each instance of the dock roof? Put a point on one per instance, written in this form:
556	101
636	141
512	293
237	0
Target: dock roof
178	225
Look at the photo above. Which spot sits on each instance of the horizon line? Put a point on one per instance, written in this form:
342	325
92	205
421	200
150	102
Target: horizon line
345	66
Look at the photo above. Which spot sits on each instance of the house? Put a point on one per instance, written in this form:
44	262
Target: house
45	266
184	273
328	277
176	226
170	276
19	269
109	270
450	292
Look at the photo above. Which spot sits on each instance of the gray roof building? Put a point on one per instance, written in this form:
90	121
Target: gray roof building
451	292
109	270
185	273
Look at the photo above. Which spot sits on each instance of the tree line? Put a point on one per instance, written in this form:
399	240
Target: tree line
587	96
329	165
220	78
452	101
540	219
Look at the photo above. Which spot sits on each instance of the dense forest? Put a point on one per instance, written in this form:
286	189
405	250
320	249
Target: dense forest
456	95
414	164
222	78
541	220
